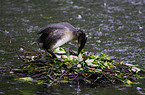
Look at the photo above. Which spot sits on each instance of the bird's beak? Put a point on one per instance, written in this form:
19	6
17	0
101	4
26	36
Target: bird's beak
81	42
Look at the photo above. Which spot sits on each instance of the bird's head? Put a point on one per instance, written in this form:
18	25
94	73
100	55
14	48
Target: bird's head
81	40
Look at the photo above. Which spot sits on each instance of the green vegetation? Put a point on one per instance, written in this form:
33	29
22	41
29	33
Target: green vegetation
88	69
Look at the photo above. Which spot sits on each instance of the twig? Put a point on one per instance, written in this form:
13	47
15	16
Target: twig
8	52
118	79
79	73
50	77
36	75
89	75
50	71
97	78
63	75
108	78
4	70
19	55
20	70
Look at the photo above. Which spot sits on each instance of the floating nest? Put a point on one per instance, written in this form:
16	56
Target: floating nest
85	68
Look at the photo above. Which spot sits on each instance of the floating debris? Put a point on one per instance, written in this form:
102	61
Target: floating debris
89	69
79	17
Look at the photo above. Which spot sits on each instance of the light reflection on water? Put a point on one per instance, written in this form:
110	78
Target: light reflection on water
115	28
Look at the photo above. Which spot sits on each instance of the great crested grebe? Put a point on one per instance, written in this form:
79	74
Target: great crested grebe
57	34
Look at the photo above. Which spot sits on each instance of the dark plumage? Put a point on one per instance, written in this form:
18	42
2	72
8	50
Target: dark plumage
57	34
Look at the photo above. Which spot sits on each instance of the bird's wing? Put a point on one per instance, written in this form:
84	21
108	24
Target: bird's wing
50	28
69	26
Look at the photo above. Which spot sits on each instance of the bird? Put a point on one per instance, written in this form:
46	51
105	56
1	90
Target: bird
57	34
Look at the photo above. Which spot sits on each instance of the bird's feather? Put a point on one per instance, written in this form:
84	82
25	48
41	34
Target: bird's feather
52	38
50	28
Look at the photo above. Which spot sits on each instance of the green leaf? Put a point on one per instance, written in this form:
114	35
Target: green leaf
104	56
120	76
79	65
90	62
106	64
32	58
98	70
29	66
94	56
80	58
128	82
47	17
38	81
59	50
27	79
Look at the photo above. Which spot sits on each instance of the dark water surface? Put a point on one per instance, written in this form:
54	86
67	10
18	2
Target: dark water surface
114	27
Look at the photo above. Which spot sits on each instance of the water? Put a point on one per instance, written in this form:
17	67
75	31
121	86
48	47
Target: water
114	27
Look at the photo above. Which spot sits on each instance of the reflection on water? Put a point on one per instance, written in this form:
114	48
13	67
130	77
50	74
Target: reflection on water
114	27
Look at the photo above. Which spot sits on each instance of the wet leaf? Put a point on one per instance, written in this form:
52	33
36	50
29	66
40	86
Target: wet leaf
27	79
135	69
47	17
128	64
129	82
98	70
39	82
79	65
59	50
89	63
80	58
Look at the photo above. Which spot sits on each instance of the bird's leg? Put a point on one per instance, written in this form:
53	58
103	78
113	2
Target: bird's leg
51	54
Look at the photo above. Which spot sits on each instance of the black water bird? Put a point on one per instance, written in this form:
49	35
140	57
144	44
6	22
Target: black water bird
57	34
